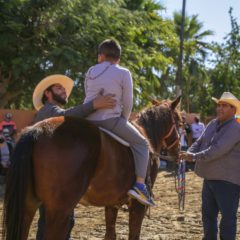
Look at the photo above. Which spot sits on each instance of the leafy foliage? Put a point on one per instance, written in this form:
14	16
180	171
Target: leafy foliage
195	82
43	37
225	75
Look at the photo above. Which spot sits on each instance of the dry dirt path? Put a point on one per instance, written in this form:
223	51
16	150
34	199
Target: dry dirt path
165	222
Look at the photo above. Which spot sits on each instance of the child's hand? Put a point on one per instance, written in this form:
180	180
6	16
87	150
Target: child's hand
106	101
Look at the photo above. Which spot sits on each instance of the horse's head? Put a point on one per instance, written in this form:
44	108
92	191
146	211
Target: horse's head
160	123
171	141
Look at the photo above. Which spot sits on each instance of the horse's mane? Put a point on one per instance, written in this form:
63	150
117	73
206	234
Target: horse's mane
153	121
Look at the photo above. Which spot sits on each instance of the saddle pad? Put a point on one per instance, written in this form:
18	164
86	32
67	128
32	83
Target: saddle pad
123	142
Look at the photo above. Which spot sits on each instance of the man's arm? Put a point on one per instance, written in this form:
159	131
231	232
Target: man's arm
195	147
81	111
52	110
85	109
190	152
220	146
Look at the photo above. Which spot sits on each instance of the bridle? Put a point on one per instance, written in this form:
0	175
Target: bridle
167	146
171	131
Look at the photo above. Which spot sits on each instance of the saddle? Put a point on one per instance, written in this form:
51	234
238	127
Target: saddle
117	138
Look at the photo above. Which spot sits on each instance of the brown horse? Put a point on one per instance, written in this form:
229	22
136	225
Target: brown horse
58	162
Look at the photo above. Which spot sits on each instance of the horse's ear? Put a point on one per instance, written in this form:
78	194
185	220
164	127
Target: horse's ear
175	103
154	101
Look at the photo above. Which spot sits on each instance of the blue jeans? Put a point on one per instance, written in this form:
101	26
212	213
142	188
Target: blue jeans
41	224
220	196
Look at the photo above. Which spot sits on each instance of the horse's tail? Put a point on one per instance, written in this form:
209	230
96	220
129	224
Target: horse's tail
18	179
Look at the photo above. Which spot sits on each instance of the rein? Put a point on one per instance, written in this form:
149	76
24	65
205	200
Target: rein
180	184
166	157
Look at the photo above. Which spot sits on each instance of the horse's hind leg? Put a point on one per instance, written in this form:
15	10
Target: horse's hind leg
136	215
110	218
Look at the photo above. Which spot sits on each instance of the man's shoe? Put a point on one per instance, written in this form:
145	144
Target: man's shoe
140	193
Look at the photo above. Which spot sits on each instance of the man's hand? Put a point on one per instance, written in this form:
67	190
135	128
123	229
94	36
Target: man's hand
186	156
106	101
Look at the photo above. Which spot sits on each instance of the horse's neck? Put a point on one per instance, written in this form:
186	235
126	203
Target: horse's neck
152	124
142	130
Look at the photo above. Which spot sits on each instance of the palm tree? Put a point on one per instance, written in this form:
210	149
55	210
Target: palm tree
194	58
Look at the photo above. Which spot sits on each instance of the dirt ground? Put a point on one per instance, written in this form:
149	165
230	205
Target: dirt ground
166	222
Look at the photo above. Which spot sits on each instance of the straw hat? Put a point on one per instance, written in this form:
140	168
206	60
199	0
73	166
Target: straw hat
65	81
229	98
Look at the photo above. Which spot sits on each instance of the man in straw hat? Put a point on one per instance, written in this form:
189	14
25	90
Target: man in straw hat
52	93
217	157
49	96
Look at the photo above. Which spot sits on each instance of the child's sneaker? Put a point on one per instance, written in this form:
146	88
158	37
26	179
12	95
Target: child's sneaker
140	193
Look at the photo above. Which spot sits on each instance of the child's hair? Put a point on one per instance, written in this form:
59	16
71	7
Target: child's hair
110	48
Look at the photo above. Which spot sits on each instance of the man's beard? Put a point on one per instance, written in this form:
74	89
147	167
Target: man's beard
59	99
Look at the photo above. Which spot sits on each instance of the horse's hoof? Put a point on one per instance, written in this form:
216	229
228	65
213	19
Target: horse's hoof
110	237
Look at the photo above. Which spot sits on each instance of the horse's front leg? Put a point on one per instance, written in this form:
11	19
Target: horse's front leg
136	215
57	224
110	218
27	220
31	205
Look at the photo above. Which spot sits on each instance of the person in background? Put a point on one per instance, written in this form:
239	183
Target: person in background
49	97
5	152
188	130
217	157
9	124
183	137
7	136
197	128
186	140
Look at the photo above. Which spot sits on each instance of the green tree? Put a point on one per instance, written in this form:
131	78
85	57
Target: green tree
23	28
46	37
195	82
225	76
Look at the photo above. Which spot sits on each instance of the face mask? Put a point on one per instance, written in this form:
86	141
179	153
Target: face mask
1	140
